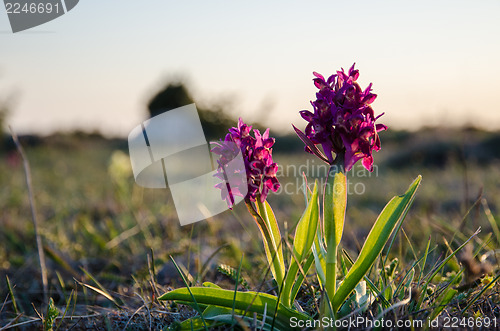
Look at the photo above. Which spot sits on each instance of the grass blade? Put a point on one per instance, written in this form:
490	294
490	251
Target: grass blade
11	291
442	264
445	297
477	296
191	296
301	277
491	219
102	290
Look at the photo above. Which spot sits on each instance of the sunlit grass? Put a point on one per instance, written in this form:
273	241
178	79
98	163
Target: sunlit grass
113	236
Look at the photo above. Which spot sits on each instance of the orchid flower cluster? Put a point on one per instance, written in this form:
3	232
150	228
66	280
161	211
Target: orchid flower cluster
258	159
343	120
343	124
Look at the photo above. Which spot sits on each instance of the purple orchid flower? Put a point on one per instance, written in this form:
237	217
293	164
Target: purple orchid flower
259	166
343	122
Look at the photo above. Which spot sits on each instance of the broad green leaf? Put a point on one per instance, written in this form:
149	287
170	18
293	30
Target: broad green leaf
253	302
302	242
210	284
306	229
197	324
272	240
394	211
225	315
275	231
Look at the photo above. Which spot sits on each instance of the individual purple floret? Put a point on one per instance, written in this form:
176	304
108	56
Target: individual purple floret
343	122
259	166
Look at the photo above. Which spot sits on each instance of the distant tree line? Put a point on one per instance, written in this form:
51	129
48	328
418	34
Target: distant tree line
215	121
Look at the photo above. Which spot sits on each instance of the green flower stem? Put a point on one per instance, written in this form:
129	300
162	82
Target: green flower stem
334	206
331	271
271	246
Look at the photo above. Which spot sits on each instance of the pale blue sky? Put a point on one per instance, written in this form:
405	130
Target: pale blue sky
431	62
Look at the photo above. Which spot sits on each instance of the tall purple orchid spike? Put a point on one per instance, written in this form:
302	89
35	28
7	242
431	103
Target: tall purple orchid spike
259	166
343	122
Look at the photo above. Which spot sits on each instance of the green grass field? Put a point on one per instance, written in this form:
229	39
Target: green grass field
108	241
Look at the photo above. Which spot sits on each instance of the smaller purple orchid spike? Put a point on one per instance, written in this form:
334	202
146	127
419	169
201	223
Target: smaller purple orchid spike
259	166
343	121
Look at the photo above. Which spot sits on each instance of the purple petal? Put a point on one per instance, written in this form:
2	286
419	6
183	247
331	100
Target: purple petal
268	143
307	115
318	75
368	163
380	127
265	136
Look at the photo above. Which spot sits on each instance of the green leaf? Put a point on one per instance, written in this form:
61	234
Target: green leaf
394	211
300	278
275	231
210	284
196	323
222	314
253	302
273	249
320	259
302	242
306	229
